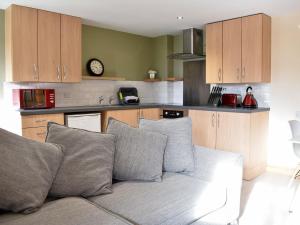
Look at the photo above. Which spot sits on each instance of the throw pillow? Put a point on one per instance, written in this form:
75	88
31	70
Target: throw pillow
87	166
139	153
179	151
27	170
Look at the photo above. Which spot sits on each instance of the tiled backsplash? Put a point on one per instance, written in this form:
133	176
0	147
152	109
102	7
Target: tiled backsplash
261	92
88	91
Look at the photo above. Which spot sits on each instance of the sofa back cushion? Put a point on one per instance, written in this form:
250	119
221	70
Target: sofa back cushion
27	170
179	151
139	153
87	166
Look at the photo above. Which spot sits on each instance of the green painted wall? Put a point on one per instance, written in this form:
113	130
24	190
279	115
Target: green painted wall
2	51
123	54
178	47
162	47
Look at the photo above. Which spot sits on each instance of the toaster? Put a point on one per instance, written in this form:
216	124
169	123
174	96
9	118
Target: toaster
128	96
231	100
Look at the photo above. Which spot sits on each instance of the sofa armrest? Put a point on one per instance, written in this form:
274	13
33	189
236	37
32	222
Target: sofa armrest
224	169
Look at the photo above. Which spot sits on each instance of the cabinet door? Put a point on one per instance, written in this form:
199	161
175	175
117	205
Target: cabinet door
233	133
252	48
129	116
214	53
49	46
35	133
21	44
203	128
232	50
150	114
71	48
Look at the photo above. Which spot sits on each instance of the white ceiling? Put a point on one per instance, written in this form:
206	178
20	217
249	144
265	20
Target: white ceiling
158	17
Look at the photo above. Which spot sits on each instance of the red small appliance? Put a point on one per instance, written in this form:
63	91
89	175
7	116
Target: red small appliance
231	100
249	100
34	98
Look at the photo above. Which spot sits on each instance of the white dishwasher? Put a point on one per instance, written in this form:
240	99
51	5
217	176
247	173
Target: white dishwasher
88	121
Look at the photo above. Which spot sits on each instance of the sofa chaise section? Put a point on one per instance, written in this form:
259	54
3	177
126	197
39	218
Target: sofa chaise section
66	211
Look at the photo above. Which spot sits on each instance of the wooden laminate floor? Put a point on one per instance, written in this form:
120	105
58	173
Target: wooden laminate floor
266	199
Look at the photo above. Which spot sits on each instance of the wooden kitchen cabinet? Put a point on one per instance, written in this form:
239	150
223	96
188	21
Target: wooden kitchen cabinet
49	46
232	50
214	58
35	126
70	49
128	116
21	52
42	46
240	50
256	48
203	127
150	114
244	133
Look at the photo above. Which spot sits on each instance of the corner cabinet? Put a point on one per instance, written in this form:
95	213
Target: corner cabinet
41	46
244	133
239	50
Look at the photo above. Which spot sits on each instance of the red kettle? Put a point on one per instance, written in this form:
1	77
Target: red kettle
249	100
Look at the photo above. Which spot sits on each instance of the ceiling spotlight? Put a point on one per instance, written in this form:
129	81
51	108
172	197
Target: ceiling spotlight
180	17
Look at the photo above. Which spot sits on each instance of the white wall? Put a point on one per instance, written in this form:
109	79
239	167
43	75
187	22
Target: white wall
285	87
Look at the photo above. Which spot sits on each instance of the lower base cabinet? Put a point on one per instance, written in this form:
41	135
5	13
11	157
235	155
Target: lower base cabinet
130	116
35	126
244	133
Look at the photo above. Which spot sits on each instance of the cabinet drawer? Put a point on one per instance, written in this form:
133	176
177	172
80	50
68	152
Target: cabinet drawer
41	120
37	133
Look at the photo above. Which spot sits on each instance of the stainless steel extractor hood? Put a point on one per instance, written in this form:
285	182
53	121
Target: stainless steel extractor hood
192	46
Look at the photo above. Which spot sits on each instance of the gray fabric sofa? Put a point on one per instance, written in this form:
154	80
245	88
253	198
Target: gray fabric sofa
208	195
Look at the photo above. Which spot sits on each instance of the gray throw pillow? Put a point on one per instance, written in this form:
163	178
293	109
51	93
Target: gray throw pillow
179	151
139	153
27	170
88	162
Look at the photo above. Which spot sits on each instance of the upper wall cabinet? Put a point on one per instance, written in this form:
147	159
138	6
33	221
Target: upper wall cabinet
245	48
42	46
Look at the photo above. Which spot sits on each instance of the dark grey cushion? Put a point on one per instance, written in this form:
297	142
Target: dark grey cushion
88	161
27	170
179	151
139	153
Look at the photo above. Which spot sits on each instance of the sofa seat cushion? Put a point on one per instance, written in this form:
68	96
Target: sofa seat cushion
66	211
178	199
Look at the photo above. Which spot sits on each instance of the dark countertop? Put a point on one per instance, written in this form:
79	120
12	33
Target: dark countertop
99	108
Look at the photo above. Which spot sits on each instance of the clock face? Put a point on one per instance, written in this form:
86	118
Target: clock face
95	67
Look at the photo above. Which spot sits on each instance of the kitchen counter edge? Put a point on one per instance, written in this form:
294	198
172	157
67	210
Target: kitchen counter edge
99	108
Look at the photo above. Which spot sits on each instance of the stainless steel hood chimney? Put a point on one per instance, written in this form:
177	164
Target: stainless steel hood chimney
192	46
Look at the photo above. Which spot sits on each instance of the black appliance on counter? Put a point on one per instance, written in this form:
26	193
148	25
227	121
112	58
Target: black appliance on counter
215	96
172	114
128	96
195	89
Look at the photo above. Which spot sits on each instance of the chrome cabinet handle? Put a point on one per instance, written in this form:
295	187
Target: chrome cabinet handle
58	72
219	74
41	134
218	122
64	68
213	120
41	121
238	74
35	70
244	73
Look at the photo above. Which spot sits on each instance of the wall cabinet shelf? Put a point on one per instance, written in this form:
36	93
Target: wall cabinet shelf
239	50
42	46
102	78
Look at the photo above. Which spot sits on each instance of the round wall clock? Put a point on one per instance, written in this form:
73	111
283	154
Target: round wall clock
95	67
